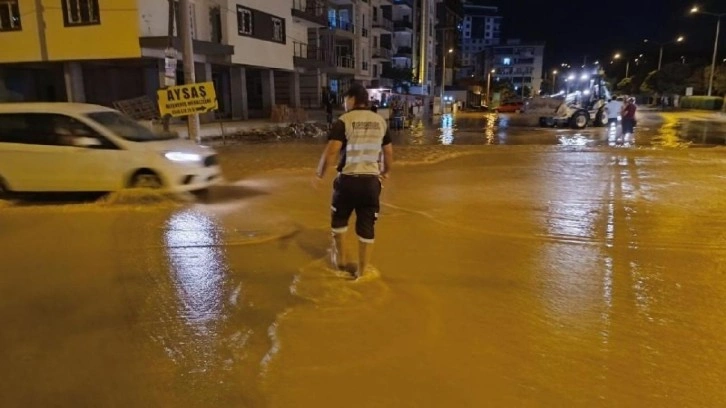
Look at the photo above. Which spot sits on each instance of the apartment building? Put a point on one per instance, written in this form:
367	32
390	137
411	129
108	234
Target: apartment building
258	53
449	16
481	28
519	63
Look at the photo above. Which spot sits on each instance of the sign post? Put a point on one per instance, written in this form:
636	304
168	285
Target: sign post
186	100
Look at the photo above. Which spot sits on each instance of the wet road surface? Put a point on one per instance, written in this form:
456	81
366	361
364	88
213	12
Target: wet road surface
539	275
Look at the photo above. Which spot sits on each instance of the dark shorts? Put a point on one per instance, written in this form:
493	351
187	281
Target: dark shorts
612	121
360	194
628	125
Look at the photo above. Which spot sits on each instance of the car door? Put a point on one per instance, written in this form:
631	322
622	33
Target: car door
30	158
94	161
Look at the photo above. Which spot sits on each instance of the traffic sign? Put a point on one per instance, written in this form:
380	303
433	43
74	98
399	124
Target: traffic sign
184	100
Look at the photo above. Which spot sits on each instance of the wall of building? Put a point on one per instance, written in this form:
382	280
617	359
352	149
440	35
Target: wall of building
256	52
22	45
117	35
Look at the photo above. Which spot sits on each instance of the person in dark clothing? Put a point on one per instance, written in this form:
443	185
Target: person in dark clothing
355	142
628	117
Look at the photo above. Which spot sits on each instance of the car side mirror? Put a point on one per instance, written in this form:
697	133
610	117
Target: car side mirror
86	142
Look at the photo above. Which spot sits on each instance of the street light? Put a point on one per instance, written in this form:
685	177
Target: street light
554	80
489	82
680	39
617	56
696	10
443	77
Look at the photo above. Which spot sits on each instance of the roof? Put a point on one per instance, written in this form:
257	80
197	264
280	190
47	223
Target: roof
51	107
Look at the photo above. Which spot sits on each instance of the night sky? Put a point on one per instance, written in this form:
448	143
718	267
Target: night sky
574	29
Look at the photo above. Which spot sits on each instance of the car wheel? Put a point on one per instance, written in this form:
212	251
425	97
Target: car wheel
579	120
145	179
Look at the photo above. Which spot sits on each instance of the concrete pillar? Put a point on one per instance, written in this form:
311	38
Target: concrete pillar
268	91
73	76
295	89
238	79
203	73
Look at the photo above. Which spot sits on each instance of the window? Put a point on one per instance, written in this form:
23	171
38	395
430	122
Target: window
260	25
48	130
244	21
126	127
278	29
507	61
9	16
80	12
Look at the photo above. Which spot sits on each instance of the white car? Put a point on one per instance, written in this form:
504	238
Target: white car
54	147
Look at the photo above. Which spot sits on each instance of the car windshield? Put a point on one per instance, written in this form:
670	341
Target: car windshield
127	128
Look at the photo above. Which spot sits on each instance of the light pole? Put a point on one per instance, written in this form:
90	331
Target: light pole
554	81
627	64
489	84
696	10
680	39
443	77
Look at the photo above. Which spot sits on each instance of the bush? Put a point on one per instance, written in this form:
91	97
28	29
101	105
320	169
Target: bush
702	102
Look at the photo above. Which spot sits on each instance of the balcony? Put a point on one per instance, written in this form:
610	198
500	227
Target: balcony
407	3
311	11
307	56
404	52
382	83
383	24
339	26
343	65
403	25
381	53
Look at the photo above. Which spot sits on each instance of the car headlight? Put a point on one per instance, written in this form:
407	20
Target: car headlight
183	157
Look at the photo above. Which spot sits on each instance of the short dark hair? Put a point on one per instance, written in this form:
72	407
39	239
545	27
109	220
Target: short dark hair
359	93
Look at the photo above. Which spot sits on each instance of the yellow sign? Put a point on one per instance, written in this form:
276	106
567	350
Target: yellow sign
184	100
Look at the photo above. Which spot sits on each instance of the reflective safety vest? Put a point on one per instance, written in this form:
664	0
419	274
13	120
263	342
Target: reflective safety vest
364	133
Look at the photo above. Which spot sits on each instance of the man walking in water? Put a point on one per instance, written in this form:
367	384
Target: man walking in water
629	118
356	142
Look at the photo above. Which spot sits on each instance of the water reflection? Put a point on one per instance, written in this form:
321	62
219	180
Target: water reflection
198	266
592	261
668	133
446	130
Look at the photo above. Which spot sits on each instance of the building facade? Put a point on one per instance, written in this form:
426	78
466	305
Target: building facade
481	28
449	17
515	62
258	53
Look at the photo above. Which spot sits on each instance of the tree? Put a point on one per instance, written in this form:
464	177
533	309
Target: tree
505	91
402	77
626	85
671	79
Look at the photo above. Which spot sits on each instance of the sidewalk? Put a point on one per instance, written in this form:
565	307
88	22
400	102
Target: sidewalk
223	128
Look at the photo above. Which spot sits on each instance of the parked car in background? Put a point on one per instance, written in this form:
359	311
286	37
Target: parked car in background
510	107
59	147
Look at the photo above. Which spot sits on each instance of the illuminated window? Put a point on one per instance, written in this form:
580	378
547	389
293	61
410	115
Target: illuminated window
9	16
80	12
244	21
507	61
278	30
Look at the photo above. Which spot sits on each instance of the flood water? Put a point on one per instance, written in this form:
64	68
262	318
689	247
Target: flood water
528	276
658	129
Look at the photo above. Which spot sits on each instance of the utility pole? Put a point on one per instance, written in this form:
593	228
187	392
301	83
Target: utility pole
188	51
170	56
715	52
